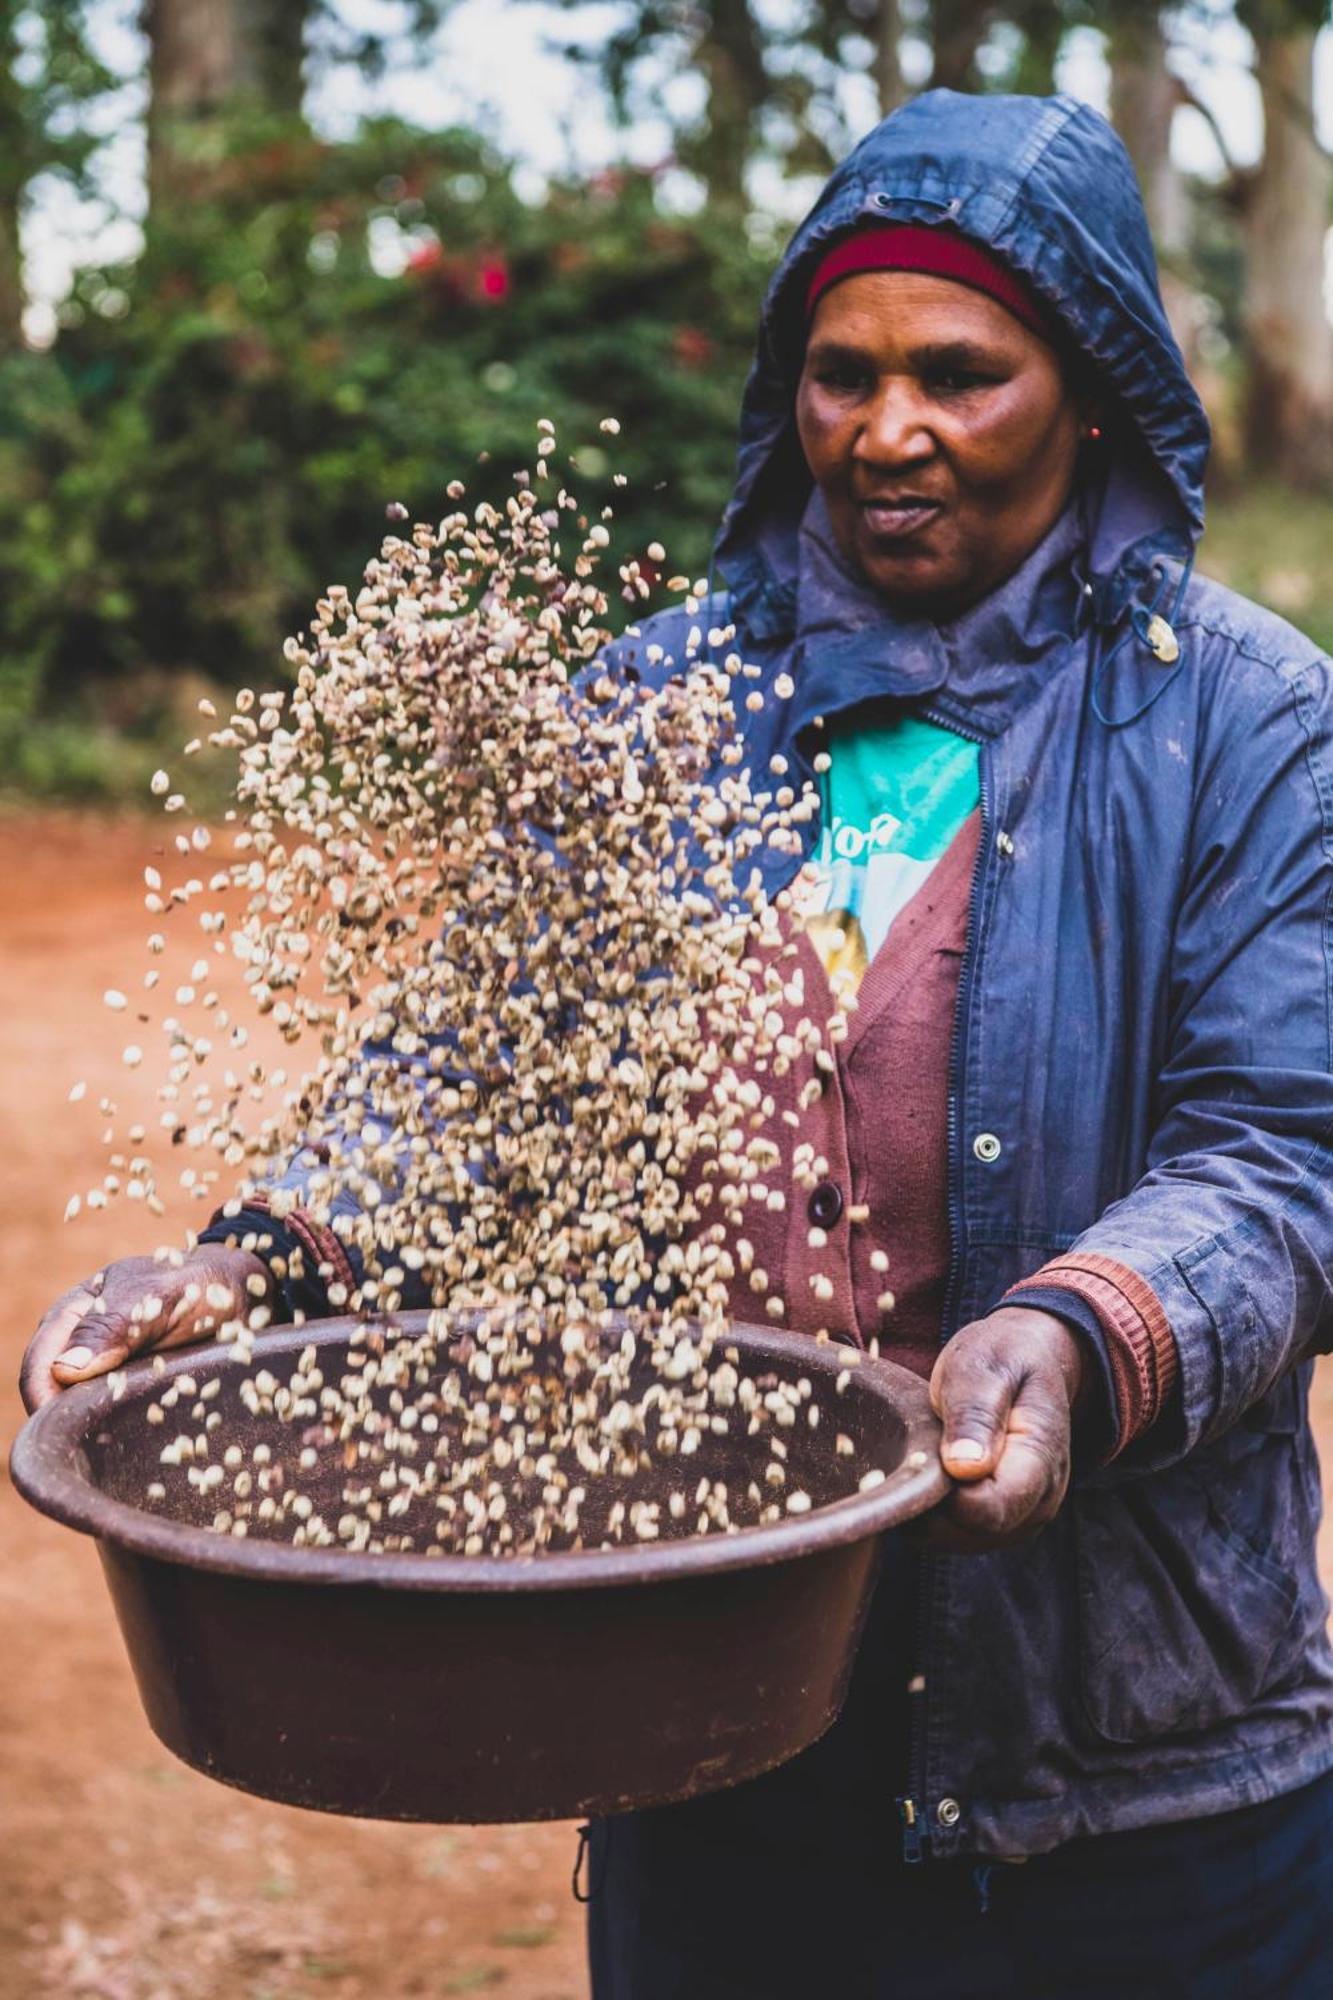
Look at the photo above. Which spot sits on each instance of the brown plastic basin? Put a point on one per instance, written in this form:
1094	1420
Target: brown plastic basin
405	1686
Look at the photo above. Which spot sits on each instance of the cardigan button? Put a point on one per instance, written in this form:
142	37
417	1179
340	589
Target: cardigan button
825	1205
987	1147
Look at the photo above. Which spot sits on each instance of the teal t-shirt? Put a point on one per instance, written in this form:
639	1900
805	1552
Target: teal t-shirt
893	798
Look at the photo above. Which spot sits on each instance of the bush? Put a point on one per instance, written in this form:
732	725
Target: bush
215	434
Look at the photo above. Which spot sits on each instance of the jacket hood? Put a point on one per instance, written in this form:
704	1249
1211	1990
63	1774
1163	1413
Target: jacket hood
1047	185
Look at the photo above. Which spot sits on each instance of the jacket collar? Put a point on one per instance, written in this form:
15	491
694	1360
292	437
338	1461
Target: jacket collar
852	647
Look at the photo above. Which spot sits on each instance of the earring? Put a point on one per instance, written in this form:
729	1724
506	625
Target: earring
1094	432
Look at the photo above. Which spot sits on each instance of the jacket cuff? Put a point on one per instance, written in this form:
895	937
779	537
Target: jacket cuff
1140	1347
304	1256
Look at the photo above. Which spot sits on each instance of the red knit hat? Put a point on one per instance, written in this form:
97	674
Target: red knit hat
911	246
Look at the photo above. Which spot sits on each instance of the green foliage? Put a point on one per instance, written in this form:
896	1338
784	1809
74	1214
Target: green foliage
48	78
216	432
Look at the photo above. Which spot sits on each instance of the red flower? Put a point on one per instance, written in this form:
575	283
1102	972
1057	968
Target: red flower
427	258
461	279
691	347
493	278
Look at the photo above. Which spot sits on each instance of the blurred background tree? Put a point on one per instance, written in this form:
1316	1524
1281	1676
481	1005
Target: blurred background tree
48	76
313	322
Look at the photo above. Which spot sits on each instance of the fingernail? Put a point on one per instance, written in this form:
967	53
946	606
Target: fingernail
75	1357
966	1450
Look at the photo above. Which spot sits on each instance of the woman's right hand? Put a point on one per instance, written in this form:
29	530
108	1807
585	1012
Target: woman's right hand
136	1305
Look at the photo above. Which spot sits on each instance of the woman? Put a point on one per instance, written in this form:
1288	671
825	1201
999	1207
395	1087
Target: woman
1075	860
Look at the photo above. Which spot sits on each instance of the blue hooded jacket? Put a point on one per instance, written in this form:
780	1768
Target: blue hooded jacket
1143	1036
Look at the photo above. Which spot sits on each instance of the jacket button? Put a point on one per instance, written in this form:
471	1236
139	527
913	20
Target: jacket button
987	1147
948	1812
825	1204
1004	843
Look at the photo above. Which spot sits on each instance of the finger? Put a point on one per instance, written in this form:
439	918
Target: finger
199	1302
53	1335
973	1399
1028	1483
98	1342
193	1319
1022	1494
134	1310
134	1305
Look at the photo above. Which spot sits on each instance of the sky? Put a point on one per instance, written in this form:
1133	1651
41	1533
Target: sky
541	111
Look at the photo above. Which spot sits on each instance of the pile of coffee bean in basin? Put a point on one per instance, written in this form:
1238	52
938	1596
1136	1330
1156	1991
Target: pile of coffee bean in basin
499	1439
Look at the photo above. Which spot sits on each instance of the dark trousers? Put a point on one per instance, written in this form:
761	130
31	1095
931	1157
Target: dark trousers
793	1887
1238	1907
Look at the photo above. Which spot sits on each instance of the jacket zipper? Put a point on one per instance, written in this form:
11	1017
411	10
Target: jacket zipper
912	1808
915	1838
960	1016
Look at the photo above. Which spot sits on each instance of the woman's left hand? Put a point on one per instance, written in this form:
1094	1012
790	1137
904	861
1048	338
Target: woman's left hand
1005	1389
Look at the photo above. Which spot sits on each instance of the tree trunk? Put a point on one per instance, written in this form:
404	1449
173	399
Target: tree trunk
1289	391
730	54
957	30
1043	25
190	65
889	85
11	276
207	59
270	52
1143	104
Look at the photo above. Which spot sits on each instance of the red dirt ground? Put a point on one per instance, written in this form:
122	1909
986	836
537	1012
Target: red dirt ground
124	1876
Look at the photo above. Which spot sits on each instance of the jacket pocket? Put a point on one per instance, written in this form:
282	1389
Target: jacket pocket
1183	1621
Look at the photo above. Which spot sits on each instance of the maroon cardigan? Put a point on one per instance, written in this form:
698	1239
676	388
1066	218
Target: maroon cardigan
873	1148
